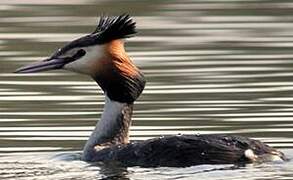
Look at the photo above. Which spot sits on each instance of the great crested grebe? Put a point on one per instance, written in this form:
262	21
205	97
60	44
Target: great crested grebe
102	56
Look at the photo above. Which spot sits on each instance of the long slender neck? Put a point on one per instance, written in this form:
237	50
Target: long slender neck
122	83
113	128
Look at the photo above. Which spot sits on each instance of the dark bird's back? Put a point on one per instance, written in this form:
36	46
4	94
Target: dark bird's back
188	150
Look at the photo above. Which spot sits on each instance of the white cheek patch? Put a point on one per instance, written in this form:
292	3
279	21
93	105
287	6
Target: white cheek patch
86	63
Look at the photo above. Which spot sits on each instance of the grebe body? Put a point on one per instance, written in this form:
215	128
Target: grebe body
102	56
189	150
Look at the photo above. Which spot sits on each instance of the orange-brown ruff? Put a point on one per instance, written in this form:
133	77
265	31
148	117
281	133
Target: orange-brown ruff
117	75
116	60
102	56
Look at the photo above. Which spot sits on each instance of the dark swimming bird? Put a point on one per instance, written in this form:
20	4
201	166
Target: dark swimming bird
102	56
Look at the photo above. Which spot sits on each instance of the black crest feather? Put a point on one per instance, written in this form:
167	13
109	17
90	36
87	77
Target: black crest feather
117	27
109	28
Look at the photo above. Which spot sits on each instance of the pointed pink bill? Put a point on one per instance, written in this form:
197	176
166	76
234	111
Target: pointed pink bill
45	65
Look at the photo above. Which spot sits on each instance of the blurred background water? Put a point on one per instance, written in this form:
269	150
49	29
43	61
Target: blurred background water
212	66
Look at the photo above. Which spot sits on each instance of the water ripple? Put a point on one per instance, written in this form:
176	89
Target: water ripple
212	67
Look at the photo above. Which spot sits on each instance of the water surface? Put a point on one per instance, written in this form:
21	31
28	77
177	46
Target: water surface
211	66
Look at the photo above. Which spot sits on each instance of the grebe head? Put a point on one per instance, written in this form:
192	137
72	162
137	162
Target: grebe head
102	56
